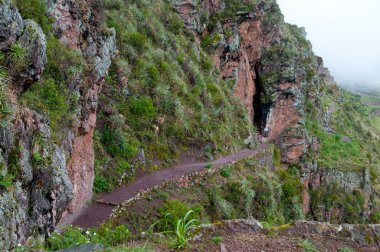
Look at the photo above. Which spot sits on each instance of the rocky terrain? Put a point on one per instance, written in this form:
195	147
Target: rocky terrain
95	94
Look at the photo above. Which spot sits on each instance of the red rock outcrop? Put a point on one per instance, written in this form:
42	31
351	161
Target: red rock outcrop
77	24
239	55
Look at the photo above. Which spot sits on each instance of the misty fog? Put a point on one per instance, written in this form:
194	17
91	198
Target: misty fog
346	33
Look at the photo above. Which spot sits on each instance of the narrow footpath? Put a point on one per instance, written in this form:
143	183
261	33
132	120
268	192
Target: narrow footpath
105	203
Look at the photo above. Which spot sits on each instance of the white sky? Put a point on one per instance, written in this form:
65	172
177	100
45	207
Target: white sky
346	33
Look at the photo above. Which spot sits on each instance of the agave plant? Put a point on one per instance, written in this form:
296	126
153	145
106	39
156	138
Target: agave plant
184	226
182	229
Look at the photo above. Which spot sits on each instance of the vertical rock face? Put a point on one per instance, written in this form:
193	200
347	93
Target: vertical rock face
263	57
78	28
274	71
51	179
43	188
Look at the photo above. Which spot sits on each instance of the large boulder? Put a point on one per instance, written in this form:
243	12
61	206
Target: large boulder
30	41
11	24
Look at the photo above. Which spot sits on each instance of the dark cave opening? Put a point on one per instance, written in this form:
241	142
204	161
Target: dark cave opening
261	109
258	108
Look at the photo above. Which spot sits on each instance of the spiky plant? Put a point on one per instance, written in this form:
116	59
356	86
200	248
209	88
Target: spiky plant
249	195
308	246
183	228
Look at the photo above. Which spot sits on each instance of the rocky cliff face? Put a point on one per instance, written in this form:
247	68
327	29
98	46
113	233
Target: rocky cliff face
162	94
274	71
265	59
78	28
51	177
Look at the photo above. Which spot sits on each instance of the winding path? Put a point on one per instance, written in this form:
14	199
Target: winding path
105	203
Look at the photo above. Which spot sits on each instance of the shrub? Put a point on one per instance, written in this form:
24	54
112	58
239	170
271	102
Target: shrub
53	98
267	203
6	181
138	41
5	108
208	166
110	236
177	210
35	10
117	144
143	107
63	63
217	239
181	227
101	184
75	236
176	24
339	205
307	246
291	197
276	157
17	52
226	171
220	207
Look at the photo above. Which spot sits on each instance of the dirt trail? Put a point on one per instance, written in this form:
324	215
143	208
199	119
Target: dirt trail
98	212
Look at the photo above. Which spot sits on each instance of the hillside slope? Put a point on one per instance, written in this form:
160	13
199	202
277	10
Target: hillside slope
96	93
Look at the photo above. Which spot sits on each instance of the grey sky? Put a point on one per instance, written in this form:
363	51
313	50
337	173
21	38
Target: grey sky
346	33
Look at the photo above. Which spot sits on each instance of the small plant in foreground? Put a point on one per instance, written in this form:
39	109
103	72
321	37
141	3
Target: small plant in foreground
184	226
217	239
226	171
75	236
182	229
346	249
307	246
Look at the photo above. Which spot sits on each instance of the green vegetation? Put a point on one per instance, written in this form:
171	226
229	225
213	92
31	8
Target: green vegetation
74	236
173	100
51	94
232	8
277	157
6	177
307	246
6	181
52	98
17	55
179	225
5	108
183	228
346	249
373	101
226	171
349	119
280	60
250	191
35	10
217	239
348	206
177	210
143	248
348	146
